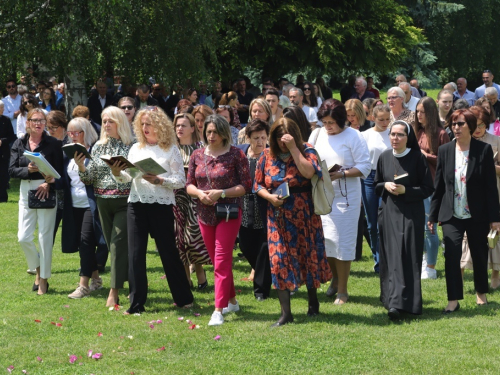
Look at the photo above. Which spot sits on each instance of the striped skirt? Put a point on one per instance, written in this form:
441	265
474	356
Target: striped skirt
188	237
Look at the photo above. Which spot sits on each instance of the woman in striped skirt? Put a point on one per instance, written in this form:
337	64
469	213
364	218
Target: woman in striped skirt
190	243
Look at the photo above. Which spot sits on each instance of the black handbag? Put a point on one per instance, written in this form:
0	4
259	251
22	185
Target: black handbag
223	210
36	203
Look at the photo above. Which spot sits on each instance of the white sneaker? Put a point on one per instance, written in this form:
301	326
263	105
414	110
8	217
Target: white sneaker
217	319
80	292
95	284
424	262
429	273
231	308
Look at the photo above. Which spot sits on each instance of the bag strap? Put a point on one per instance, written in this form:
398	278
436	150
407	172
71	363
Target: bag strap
316	138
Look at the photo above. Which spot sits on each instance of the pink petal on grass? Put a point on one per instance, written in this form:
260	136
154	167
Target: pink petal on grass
24	372
151	326
10	368
99	334
38	321
97	356
61	318
175	304
159	321
39	359
239	290
217	338
180	318
58	324
163	277
72	358
67	306
53	323
117	307
197	314
189	321
160	349
192	326
89	353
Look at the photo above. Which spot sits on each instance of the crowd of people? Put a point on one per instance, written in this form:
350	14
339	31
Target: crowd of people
199	172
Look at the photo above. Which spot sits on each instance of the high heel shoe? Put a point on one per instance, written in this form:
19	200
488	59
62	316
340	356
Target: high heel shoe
446	312
34	288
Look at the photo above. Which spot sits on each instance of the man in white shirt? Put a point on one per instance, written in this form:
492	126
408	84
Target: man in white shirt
296	97
12	103
463	93
488	82
410	101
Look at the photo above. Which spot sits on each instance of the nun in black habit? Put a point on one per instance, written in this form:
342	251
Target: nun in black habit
403	180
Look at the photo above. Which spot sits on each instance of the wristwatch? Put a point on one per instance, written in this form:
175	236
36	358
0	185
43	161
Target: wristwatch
223	195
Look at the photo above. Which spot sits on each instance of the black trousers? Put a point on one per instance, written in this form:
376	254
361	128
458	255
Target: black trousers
362	231
88	242
453	235
253	244
4	178
158	220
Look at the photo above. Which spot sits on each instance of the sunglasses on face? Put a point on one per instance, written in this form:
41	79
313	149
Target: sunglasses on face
459	123
127	107
307	89
26	103
11	86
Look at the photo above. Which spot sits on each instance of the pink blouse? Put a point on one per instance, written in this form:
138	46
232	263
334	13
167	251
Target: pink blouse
225	171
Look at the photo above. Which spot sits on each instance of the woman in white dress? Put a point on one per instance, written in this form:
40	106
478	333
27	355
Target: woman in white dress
341	145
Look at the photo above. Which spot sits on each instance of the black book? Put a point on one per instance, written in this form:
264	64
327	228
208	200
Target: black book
282	191
70	149
403	179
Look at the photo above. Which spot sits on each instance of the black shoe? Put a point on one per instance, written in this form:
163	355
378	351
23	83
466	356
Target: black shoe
282	321
260	297
203	286
313	310
446	312
393	313
34	288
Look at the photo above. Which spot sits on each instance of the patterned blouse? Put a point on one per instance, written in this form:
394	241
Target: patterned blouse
98	173
225	171
406	115
460	204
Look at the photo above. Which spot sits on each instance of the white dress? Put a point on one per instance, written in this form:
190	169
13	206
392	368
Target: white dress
340	227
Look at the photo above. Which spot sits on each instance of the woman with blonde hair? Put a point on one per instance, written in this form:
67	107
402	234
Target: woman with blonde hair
150	207
190	243
116	139
258	109
356	115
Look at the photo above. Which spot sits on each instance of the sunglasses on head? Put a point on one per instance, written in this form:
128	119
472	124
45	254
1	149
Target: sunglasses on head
487	71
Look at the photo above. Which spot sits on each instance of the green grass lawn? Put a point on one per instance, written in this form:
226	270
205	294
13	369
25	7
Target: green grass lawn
356	338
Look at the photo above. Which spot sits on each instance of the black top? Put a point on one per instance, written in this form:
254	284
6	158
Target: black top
48	146
366	125
6	135
481	184
246	100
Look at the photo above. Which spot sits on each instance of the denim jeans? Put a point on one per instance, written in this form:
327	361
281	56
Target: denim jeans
371	202
431	241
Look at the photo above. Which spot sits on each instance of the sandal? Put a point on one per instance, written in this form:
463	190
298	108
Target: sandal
339	300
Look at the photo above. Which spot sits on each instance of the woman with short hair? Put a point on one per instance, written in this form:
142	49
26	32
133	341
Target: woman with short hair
219	174
465	201
356	115
116	139
36	140
295	234
150	208
82	229
258	109
57	123
188	237
341	145
399	111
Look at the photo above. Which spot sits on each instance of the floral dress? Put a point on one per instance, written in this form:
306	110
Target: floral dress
295	233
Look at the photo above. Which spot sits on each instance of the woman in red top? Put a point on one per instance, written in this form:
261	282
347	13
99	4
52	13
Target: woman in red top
219	173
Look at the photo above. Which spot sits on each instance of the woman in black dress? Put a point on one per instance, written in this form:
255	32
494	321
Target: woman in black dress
401	220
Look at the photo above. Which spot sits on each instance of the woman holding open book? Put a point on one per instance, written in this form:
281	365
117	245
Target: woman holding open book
295	234
150	206
32	180
190	243
116	139
403	180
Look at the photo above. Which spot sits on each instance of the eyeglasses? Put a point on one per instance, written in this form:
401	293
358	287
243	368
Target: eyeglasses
127	107
11	86
393	97
38	121
482	125
225	106
397	135
459	123
53	128
307	89
75	133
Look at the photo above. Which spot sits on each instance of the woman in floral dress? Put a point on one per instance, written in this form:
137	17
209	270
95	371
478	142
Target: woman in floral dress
295	234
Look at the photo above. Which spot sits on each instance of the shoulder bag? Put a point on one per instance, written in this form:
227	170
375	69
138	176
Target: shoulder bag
322	188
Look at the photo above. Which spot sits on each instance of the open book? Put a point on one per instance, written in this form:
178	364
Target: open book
282	191
42	164
71	148
146	166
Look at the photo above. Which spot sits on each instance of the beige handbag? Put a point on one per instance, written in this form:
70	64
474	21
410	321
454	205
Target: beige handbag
492	238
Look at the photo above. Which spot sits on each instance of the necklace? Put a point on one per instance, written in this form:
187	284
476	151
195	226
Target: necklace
284	156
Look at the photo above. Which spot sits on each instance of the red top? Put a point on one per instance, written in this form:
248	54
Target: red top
225	171
442	138
375	92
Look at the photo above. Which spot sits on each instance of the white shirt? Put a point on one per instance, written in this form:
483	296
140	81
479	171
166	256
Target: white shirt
377	143
310	113
145	192
11	106
78	191
412	103
320	101
103	101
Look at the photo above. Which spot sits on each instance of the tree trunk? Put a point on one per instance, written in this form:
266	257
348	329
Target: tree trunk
75	94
